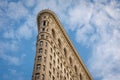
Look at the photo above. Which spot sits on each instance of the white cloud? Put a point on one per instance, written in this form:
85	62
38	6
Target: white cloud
80	15
16	10
29	3
24	32
97	23
85	33
106	58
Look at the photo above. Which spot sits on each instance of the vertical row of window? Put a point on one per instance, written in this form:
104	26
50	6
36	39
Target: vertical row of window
39	59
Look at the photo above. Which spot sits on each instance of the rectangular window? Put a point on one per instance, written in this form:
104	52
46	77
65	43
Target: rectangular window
54	62
50	65
54	55
44	23
38	67
37	76
57	75
40	50
43	67
41	43
46	44
43	77
53	78
50	57
54	70
39	58
42	36
45	51
44	59
50	74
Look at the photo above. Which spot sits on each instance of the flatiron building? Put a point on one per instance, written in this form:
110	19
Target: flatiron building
56	57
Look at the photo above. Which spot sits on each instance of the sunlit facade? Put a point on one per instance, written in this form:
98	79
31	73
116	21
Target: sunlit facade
56	57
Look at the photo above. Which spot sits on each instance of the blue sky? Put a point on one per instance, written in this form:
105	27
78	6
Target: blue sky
92	25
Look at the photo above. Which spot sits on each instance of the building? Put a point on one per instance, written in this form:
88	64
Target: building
56	57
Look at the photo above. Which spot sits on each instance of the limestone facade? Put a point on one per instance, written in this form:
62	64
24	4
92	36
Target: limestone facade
56	57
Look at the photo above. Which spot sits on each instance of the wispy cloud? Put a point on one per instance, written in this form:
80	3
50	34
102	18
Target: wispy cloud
96	24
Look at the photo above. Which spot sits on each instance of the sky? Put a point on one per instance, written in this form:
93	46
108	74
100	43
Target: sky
92	25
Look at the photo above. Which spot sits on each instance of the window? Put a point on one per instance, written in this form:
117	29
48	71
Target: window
80	77
37	76
67	75
64	70
54	62
61	65
43	29
58	53
64	78
58	61
54	55
50	57
38	67
53	33
42	36
50	74
44	59
58	67
44	23
70	61
57	75
54	70
50	65
60	77
41	43
39	58
40	50
43	67
46	44
45	51
51	50
53	78
43	76
59	43
75	69
65	52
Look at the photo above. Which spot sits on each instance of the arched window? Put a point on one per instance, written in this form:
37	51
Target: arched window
41	43
70	59
65	52
59	43
53	33
80	77
75	68
44	23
